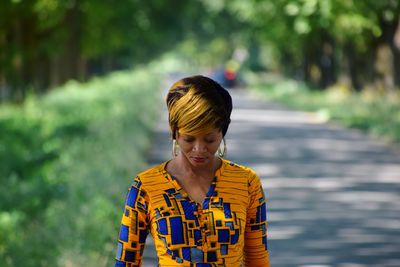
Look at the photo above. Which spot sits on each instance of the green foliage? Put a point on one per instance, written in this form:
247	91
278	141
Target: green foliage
368	111
66	163
320	40
47	42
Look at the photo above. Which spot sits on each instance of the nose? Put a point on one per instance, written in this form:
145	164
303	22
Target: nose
199	146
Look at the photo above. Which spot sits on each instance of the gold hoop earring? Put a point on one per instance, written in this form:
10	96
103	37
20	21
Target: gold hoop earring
175	147
222	153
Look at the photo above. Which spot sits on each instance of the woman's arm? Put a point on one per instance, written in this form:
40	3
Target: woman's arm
255	246
134	226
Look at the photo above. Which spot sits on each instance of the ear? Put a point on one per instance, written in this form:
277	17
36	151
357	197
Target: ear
176	134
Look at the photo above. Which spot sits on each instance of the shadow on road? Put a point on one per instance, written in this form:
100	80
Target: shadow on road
333	193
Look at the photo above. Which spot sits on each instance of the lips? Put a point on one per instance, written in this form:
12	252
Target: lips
199	159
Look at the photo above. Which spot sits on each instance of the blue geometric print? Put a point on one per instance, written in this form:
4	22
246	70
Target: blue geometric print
133	192
207	234
142	236
167	200
223	235
129	255
224	249
176	230
119	251
230	224
170	191
197	255
211	256
186	254
124	233
188	210
264	241
197	236
119	263
211	189
206	203
261	215
235	237
227	210
162	226
263	212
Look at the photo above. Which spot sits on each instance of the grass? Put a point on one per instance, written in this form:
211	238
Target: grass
66	163
371	111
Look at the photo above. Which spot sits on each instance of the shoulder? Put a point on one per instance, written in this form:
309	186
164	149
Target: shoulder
150	176
237	173
235	169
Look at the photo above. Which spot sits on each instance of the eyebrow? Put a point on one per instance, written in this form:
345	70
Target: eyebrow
206	135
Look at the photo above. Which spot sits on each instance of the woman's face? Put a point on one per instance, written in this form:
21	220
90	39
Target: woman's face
200	149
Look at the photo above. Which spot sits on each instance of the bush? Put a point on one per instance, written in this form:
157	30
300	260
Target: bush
369	110
66	163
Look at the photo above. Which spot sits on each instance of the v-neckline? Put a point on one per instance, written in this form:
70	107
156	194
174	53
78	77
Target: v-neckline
211	189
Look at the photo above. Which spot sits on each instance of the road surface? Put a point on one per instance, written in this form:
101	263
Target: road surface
333	193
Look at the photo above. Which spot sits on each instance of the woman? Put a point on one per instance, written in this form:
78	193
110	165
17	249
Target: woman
201	209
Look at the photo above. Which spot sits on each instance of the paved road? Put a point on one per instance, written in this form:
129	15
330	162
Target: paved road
333	194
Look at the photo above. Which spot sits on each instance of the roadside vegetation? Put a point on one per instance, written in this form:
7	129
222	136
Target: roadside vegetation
66	163
377	113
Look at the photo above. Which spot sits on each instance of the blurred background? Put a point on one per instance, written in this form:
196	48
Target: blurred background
80	95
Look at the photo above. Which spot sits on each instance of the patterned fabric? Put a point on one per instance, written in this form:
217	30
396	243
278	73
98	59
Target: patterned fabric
228	229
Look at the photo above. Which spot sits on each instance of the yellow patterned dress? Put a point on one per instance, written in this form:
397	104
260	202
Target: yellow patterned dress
228	229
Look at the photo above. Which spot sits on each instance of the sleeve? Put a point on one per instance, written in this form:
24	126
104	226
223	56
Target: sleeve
134	227
255	246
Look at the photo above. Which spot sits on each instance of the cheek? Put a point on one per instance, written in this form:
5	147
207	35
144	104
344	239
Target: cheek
185	147
212	148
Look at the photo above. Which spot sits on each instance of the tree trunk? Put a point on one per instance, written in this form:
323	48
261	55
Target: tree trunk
326	65
387	54
351	63
83	68
55	70
3	66
396	65
72	52
395	46
29	50
18	89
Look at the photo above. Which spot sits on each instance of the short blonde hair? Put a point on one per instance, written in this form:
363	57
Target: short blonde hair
198	104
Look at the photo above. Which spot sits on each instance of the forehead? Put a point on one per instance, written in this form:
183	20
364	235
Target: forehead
205	134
